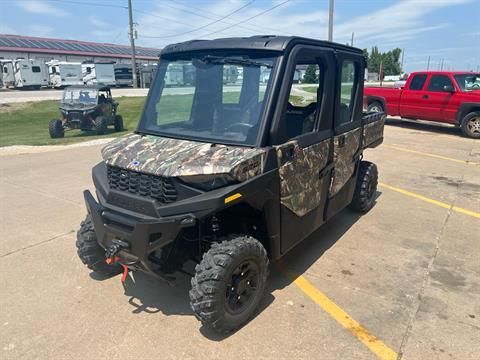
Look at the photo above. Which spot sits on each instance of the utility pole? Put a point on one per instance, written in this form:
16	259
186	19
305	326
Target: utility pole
401	65
132	42
428	63
441	65
330	22
353	34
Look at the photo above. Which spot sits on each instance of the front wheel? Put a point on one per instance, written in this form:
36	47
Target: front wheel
229	283
92	254
366	187
470	125
101	123
55	128
118	123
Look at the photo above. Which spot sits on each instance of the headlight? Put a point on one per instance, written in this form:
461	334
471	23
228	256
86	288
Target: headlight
208	182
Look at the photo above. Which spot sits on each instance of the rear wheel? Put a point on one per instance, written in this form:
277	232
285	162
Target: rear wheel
229	283
118	123
55	128
470	125
375	107
92	254
101	125
366	187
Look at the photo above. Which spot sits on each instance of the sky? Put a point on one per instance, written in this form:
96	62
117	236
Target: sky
445	30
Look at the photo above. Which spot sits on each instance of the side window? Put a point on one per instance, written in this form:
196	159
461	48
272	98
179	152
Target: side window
89	70
232	84
54	70
5	70
301	109
417	82
348	89
437	82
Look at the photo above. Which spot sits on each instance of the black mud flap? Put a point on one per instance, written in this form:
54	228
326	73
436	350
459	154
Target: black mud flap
372	125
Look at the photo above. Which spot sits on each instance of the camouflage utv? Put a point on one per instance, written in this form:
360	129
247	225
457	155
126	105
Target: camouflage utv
231	176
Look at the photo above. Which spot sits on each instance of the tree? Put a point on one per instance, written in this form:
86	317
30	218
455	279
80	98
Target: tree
310	76
389	59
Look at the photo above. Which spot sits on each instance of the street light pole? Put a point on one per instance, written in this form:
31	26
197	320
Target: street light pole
132	42
330	22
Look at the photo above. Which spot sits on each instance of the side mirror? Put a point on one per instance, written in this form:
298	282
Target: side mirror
449	88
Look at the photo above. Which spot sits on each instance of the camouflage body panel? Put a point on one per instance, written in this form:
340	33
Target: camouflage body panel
373	129
175	157
300	184
343	159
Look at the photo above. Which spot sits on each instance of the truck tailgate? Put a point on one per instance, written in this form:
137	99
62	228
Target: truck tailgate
373	124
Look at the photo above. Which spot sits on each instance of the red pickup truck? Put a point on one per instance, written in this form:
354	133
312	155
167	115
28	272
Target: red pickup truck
442	96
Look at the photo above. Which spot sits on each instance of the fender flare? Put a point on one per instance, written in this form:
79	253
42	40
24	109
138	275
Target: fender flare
466	108
372	98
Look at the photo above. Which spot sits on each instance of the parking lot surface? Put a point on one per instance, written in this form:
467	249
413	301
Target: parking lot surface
399	282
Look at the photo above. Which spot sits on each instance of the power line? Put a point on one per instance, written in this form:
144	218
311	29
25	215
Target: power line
89	4
245	26
250	18
201	27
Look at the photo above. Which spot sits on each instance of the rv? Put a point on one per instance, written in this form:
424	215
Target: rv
98	73
123	74
25	74
8	75
64	73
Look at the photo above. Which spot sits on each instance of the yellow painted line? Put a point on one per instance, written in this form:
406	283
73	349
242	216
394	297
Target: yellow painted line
373	343
232	197
430	155
431	201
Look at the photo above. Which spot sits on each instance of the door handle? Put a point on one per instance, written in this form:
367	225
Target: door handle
424	96
341	141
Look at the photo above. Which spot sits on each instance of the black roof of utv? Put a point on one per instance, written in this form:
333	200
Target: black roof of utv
258	42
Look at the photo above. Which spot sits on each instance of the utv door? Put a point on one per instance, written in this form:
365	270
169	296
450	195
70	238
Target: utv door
303	131
348	130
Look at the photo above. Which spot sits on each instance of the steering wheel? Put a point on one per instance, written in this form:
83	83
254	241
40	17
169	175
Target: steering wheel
240	125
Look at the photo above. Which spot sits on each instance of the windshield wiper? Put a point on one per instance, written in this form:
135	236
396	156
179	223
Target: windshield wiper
226	60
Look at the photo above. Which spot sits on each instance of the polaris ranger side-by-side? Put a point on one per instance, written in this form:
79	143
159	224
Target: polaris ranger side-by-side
233	175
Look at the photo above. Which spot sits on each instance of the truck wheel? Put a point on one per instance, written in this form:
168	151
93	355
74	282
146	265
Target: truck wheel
92	254
375	107
118	123
229	283
471	125
101	125
55	128
366	187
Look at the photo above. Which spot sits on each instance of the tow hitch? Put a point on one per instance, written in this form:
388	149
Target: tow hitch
111	255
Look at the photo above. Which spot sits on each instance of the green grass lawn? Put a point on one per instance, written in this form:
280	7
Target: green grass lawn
27	123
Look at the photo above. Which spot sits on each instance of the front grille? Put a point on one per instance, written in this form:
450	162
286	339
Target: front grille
155	187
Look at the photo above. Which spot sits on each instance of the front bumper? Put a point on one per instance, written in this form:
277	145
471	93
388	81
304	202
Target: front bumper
142	236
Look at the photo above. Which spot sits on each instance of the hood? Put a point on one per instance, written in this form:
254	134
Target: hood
175	157
471	96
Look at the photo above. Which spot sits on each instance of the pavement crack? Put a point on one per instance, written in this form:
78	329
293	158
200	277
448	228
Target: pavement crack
36	244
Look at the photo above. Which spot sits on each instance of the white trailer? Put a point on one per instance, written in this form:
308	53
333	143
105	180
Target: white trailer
24	74
8	75
63	73
98	73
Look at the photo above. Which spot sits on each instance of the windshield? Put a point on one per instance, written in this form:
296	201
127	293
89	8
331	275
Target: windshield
468	82
217	99
85	96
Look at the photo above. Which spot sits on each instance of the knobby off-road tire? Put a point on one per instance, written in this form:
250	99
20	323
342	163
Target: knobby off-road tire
92	254
366	187
101	125
55	128
375	107
229	283
470	125
118	123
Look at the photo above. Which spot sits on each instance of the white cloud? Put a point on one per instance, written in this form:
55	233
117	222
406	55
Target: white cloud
41	7
96	21
398	22
41	30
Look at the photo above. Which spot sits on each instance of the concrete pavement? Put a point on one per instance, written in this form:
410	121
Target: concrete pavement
408	271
